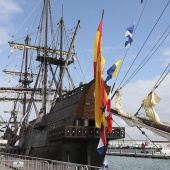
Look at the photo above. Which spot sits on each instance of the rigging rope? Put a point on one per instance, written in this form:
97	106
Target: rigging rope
51	26
74	52
160	80
146	40
88	68
143	133
128	49
26	18
156	85
145	59
126	55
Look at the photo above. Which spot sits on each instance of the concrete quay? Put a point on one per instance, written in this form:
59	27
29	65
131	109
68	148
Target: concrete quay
142	155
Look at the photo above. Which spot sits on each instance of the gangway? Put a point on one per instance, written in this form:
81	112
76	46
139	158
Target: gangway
20	162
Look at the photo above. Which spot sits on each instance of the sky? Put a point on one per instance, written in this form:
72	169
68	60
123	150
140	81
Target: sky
16	15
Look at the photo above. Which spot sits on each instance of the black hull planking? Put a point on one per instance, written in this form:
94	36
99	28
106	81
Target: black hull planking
68	132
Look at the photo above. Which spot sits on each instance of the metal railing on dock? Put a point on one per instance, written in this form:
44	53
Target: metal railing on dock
137	153
20	162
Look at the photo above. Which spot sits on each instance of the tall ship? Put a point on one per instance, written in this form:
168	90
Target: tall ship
63	126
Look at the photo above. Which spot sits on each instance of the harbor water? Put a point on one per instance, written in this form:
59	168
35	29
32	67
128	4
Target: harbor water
133	163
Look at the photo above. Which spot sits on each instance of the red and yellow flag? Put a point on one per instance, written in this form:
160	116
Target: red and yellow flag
98	91
97	45
99	62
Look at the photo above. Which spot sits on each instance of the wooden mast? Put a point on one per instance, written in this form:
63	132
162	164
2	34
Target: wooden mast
66	63
61	49
46	2
45	60
25	76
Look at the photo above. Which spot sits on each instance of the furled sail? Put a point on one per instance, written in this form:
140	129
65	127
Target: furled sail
160	129
122	112
38	48
148	103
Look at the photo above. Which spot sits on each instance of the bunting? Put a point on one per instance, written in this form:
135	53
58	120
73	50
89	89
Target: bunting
129	35
108	115
105	164
102	142
113	70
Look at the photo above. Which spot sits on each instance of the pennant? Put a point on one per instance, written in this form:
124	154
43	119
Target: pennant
102	142
108	114
107	119
129	34
104	94
110	123
104	120
105	164
108	106
113	70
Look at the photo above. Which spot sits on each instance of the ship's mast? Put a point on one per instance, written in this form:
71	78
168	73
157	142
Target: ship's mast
61	49
25	76
46	2
25	81
66	63
46	60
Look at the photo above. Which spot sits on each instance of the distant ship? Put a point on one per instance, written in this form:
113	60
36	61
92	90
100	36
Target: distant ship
64	128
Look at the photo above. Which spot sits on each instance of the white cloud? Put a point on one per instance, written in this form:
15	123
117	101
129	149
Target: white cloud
4	34
166	56
166	52
109	48
7	13
8	9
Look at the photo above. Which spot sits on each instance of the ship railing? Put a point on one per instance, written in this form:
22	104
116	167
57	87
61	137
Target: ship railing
70	93
20	162
83	132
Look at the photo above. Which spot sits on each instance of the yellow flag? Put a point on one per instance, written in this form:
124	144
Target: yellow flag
98	95
117	64
104	121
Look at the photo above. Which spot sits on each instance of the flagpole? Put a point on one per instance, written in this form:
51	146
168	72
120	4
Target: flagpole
112	88
113	95
102	14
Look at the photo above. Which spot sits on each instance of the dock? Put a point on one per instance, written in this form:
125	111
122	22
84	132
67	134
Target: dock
142	155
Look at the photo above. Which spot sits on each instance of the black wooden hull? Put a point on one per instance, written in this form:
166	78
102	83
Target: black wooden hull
63	145
68	147
75	151
64	134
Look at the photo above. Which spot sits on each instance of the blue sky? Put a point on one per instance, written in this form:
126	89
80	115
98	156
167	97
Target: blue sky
16	15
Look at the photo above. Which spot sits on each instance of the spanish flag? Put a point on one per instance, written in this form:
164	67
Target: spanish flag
99	62
97	44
